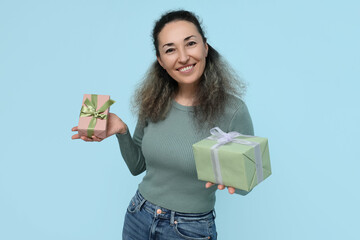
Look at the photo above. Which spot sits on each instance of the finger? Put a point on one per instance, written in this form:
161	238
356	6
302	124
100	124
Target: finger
231	190
76	136
74	128
221	187
209	184
86	139
95	138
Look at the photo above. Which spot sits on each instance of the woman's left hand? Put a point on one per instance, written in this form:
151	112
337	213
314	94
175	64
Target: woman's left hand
220	187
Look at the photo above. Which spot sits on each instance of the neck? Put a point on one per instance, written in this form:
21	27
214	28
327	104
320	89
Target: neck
186	95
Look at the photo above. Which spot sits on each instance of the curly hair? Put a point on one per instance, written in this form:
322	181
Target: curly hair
153	98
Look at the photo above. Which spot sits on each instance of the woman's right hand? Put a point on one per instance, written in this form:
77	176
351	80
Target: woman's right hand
114	125
231	190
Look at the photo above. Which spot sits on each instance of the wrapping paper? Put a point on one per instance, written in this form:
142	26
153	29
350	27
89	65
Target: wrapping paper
232	159
93	115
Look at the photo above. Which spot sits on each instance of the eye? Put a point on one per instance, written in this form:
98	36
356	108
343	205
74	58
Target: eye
169	50
191	43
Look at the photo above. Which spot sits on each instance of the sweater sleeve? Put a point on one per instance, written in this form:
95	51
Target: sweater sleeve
242	123
130	148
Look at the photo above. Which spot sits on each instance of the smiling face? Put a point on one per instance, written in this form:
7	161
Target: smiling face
182	52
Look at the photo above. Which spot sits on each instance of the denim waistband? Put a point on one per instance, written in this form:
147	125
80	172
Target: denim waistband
164	213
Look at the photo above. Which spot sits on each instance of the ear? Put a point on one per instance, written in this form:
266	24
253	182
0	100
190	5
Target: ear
159	61
206	49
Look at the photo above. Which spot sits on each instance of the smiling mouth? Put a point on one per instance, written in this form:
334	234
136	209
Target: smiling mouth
186	68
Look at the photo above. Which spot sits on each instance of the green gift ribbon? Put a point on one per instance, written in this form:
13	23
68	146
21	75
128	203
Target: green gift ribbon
89	109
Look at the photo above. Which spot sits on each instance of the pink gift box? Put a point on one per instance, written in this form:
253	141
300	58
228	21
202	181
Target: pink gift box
101	124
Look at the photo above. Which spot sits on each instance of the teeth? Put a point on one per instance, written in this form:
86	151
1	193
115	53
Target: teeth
186	68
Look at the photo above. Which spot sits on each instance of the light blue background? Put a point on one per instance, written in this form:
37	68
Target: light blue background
299	58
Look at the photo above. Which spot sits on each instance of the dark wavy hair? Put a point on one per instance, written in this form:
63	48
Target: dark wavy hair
152	99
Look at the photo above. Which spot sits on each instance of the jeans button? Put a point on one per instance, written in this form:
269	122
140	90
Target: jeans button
159	211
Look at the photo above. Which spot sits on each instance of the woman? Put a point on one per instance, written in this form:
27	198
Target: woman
188	90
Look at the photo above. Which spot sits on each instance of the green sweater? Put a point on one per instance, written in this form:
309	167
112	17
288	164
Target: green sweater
164	151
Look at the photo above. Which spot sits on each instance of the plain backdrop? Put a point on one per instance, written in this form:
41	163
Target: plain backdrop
300	60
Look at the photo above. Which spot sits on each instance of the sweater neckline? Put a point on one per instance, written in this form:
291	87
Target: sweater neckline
182	107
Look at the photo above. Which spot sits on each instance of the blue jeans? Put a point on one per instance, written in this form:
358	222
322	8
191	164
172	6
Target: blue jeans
146	221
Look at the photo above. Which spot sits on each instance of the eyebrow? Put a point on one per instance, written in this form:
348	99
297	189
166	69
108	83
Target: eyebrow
185	39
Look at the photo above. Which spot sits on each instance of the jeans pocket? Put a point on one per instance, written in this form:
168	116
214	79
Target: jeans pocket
194	230
133	205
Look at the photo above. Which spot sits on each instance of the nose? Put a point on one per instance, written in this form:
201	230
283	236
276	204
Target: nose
183	56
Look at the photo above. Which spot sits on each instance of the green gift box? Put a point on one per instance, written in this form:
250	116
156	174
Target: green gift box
233	159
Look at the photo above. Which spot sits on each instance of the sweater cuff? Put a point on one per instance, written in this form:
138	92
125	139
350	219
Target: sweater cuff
121	135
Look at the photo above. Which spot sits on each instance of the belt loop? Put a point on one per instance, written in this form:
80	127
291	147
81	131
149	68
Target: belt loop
214	213
141	204
172	217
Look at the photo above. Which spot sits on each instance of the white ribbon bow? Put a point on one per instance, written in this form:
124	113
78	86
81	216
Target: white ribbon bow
223	138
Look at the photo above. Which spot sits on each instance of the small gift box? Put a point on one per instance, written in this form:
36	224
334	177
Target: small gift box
232	159
93	115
